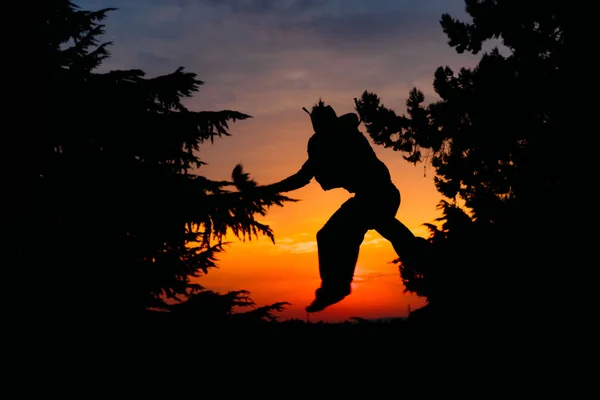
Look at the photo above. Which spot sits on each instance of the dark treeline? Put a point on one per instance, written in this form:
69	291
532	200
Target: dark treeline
499	143
111	218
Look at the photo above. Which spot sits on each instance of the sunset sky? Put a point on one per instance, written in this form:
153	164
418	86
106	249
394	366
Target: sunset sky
270	58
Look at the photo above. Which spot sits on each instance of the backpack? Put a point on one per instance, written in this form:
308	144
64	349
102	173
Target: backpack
335	146
324	120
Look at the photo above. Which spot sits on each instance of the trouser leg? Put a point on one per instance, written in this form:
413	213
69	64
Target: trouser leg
338	246
401	238
385	204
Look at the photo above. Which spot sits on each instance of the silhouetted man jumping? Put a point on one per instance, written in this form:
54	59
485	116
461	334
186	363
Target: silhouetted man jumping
340	156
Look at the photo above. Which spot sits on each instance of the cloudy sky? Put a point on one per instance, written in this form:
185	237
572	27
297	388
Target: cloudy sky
269	58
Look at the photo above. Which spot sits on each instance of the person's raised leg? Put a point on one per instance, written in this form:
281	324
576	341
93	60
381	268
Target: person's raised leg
384	204
338	246
401	238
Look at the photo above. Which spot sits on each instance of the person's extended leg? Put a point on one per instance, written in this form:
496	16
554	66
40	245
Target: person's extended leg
338	245
384	204
409	247
397	233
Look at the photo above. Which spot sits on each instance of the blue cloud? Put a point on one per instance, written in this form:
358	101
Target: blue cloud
331	21
250	6
289	51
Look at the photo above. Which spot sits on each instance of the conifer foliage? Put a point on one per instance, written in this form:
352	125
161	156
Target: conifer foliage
115	216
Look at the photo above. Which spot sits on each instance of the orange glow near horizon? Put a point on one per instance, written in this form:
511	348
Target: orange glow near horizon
288	270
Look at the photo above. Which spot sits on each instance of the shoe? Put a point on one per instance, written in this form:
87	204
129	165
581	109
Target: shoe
325	299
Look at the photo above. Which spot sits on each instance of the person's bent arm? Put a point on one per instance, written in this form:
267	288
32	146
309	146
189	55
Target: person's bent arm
293	182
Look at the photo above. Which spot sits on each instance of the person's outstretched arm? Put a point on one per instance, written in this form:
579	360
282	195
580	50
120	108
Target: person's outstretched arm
293	182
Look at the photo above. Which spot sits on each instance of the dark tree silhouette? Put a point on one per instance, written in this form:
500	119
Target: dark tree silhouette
111	215
221	308
498	140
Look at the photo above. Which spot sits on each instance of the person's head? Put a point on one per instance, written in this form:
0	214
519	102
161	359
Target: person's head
323	117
